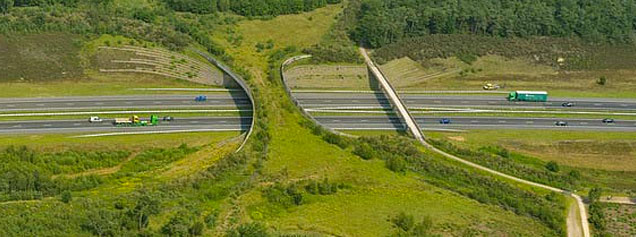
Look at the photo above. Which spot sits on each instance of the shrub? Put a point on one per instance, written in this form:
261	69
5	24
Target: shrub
364	150
396	164
249	230
66	197
552	166
601	81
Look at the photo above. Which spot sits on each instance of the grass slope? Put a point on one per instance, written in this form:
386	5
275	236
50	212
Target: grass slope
61	64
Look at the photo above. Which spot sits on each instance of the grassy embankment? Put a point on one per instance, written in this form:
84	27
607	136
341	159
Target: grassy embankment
62	64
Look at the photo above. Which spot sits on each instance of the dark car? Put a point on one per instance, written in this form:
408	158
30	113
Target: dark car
561	123
168	118
567	104
608	120
445	121
200	98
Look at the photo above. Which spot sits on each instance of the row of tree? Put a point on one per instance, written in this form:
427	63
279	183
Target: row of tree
386	21
249	7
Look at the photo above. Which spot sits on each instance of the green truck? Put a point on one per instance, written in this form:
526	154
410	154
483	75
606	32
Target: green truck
533	96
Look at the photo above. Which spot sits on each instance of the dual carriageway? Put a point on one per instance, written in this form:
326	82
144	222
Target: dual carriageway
340	111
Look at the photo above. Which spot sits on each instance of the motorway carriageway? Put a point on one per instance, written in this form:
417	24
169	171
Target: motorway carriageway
352	100
393	123
335	122
234	99
72	126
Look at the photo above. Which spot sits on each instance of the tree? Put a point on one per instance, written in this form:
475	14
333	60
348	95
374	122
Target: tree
595	194
5	5
146	205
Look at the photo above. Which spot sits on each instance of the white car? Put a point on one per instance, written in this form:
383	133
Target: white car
95	119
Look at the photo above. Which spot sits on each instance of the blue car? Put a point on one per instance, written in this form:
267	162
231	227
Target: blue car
444	121
200	98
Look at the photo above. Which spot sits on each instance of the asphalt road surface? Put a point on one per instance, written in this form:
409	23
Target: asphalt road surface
70	126
235	99
394	123
318	100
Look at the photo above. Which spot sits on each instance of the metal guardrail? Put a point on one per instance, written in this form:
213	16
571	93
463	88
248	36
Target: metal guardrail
241	82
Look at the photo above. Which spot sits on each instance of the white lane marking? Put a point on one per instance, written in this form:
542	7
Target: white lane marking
222	121
16	126
11	106
584	123
598	104
77	124
128	102
158	132
328	101
99	103
39	104
410	101
548	103
335	120
502	121
47	125
624	105
437	101
194	121
529	122
70	103
158	102
465	102
491	102
355	101
474	121
364	120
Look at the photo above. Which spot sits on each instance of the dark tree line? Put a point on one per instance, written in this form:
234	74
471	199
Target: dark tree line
249	7
385	21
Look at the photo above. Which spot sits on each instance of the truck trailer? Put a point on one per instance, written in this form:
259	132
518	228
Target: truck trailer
134	121
533	96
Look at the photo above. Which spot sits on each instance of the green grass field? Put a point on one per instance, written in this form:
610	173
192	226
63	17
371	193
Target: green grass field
62	142
586	149
329	77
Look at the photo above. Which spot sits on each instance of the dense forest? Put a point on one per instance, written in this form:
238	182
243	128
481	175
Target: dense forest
385	21
249	7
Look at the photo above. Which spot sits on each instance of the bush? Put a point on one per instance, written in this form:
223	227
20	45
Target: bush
249	230
396	164
66	197
552	166
364	150
286	196
601	81
406	225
